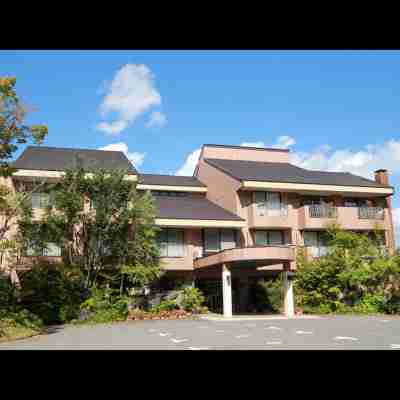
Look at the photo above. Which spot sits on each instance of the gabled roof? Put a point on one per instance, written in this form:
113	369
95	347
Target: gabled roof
192	208
287	173
169	180
60	159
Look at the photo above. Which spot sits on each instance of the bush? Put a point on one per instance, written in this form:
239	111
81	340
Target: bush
355	277
105	305
192	300
53	293
7	293
165	305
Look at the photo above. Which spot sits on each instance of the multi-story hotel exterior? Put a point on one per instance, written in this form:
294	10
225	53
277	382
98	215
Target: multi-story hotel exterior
241	216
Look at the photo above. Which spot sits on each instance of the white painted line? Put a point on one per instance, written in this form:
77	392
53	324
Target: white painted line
274	343
344	338
273	328
179	340
241	336
395	346
304	332
198	348
384	320
152	330
164	334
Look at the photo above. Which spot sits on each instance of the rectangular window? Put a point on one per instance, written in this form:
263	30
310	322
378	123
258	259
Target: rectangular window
219	239
268	238
269	204
171	242
42	200
168	193
317	241
52	250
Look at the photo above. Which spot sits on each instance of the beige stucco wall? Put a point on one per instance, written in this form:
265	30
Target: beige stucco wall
245	154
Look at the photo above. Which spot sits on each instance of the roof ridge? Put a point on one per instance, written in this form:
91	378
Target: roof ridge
69	149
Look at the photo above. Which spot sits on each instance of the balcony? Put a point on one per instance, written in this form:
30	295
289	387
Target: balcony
356	218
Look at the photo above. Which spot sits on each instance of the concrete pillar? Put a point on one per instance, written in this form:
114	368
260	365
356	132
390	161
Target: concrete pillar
288	298
226	291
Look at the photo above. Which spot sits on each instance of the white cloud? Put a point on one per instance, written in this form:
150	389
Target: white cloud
157	120
360	162
253	144
130	94
284	142
135	158
189	166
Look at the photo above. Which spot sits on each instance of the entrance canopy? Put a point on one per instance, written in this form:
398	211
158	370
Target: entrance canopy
257	255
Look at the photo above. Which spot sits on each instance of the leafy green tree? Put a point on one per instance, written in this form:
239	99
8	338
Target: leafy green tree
102	223
13	131
355	276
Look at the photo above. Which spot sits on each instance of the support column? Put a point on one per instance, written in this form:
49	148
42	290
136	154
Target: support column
226	291
288	299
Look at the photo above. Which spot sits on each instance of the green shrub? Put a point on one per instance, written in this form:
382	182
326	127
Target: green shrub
192	299
105	305
7	293
53	293
165	305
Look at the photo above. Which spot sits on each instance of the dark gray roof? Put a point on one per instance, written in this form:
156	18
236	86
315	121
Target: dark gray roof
192	208
169	180
285	172
60	159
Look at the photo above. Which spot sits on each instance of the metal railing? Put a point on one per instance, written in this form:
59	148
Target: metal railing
370	213
322	211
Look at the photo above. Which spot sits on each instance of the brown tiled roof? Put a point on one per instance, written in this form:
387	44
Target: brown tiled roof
285	172
169	180
60	159
192	208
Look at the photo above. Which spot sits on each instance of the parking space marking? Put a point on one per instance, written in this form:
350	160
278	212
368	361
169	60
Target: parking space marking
274	328
164	334
198	348
344	338
395	346
152	330
179	340
304	332
241	336
277	342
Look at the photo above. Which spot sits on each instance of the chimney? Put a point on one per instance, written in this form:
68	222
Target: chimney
382	176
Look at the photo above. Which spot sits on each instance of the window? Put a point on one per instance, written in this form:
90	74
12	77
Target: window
314	200
353	202
318	241
52	250
268	238
171	242
42	200
219	239
269	204
168	193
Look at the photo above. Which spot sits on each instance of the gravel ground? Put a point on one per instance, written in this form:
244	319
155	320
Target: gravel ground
325	332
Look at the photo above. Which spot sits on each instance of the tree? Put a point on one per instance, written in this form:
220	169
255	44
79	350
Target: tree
12	129
101	223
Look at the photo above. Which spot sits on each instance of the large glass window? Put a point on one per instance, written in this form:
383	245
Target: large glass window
42	200
268	238
219	239
171	243
269	204
317	241
52	250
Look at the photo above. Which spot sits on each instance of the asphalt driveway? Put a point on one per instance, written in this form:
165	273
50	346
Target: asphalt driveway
326	332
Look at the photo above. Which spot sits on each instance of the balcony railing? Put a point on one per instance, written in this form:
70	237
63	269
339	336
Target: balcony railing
322	211
370	213
262	210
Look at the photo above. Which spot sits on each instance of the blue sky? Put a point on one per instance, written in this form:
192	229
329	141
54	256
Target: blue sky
335	110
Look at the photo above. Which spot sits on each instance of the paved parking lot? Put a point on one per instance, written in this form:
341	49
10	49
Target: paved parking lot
327	332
